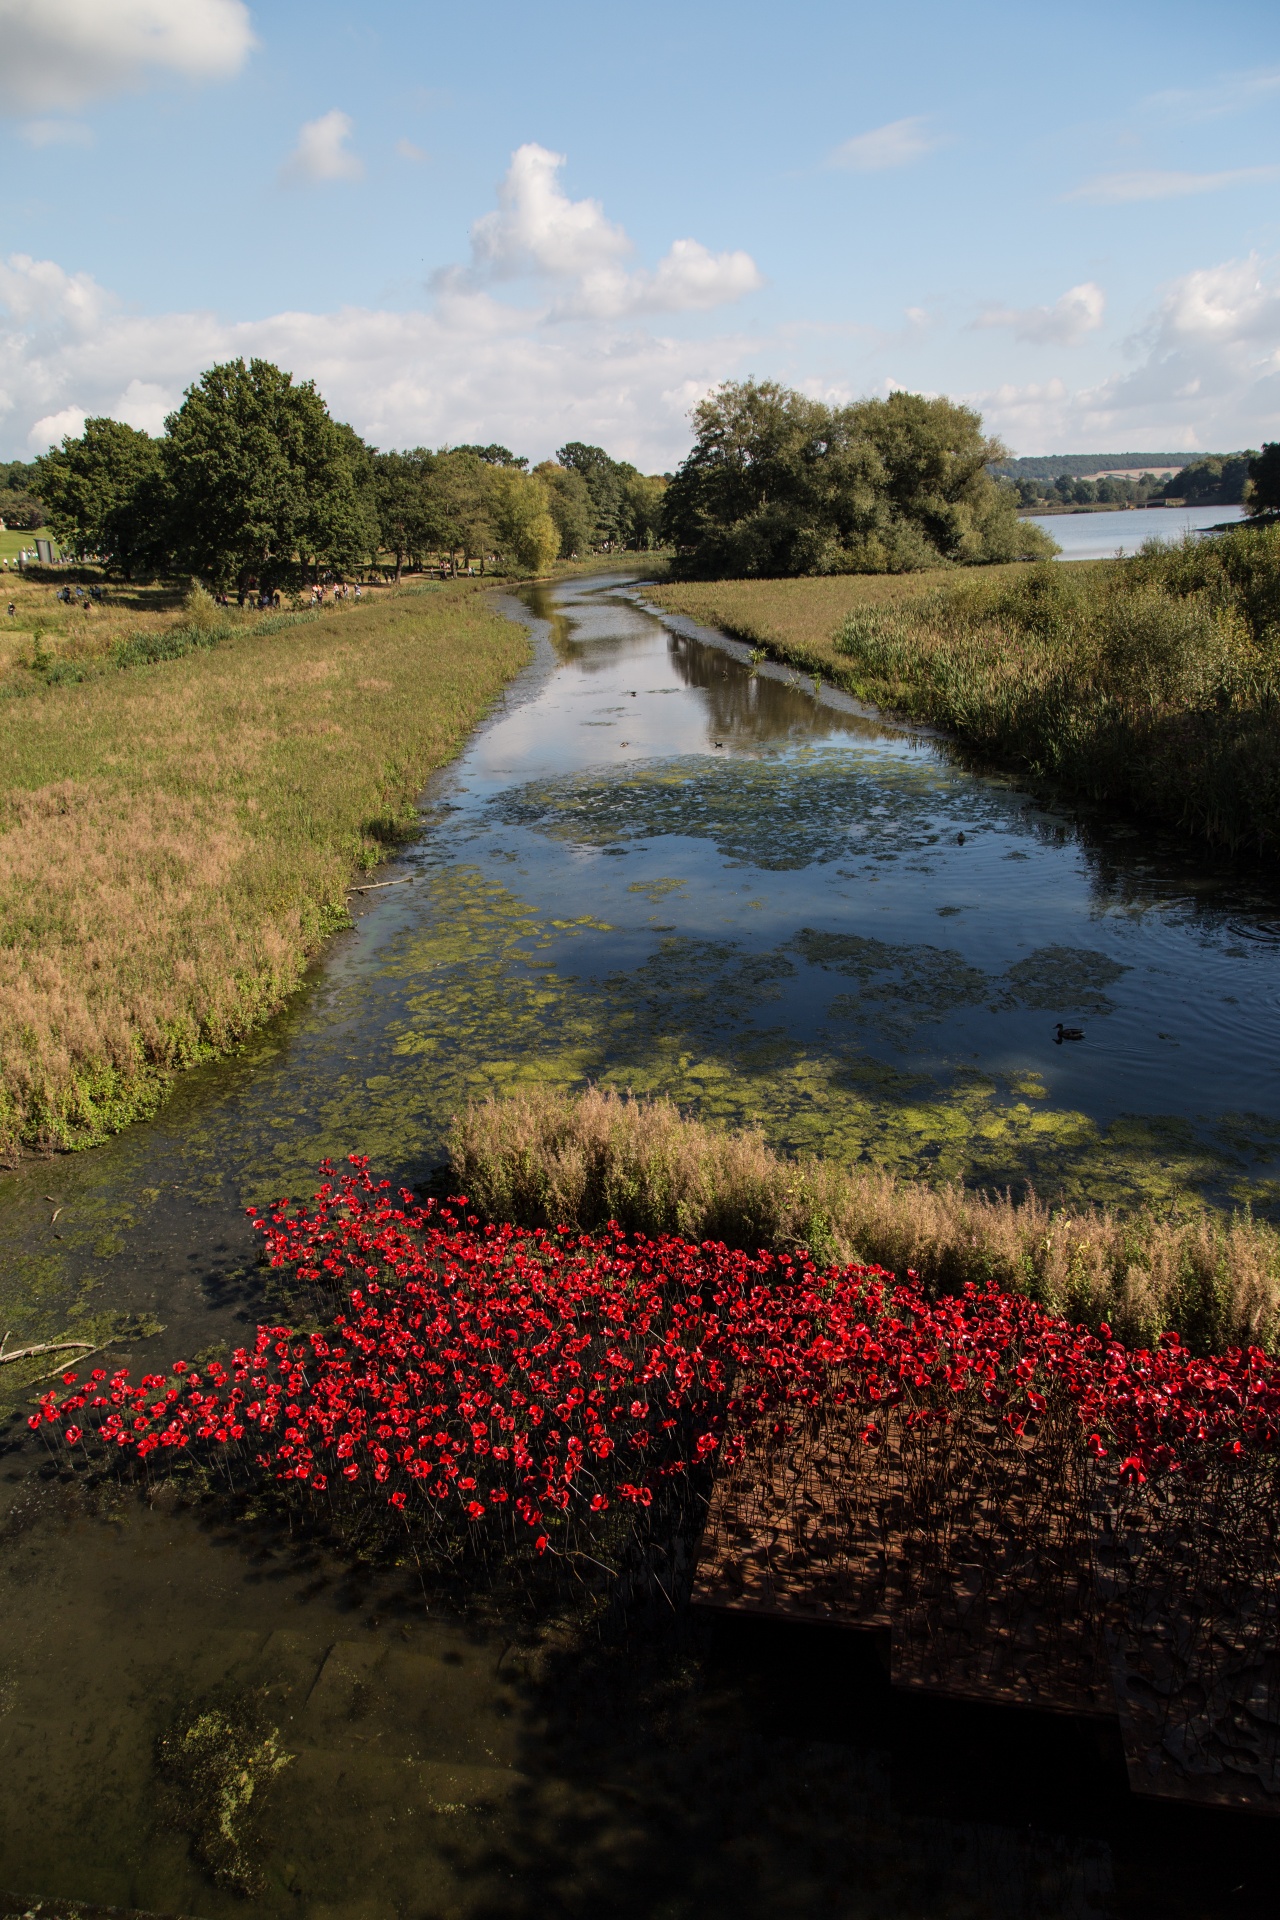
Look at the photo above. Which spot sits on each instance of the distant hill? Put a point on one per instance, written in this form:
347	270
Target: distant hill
1047	466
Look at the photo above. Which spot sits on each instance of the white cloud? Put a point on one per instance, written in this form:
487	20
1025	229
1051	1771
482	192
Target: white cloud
472	367
322	153
1073	314
893	145
1207	374
1232	93
688	279
536	228
56	133
61	53
39	291
406	150
54	428
1113	189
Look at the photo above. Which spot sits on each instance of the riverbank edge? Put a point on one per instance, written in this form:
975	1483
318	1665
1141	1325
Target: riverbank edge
117	1096
580	1160
1139	800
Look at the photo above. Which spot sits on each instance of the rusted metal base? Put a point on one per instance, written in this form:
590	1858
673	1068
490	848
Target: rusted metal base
1001	1579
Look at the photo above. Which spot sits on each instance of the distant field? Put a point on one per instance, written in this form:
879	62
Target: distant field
178	838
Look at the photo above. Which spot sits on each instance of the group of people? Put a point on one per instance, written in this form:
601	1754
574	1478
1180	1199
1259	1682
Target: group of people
78	596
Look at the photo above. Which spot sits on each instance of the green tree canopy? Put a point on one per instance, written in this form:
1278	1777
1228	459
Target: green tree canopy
493	455
259	475
1264	478
569	504
461	494
410	516
604	478
523	527
102	492
778	483
1217	480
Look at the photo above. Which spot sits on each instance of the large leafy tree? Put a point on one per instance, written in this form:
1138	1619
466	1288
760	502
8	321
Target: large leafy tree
1264	479
569	504
410	516
260	479
604	478
524	531
778	483
462	501
102	492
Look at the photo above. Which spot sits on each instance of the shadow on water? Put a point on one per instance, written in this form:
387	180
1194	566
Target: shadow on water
658	869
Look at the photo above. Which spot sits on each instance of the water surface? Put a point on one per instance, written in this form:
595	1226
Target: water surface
1105	536
656	869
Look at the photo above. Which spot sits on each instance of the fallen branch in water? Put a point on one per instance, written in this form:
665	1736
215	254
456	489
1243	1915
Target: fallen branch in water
375	884
45	1346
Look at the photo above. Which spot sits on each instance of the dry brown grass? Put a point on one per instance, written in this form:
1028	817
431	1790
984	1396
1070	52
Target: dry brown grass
176	840
550	1158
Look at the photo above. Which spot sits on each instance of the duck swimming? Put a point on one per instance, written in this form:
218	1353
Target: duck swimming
1067	1033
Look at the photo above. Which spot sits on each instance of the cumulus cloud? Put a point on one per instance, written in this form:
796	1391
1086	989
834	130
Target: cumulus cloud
536	230
688	279
1152	183
56	133
322	153
1073	314
894	145
1206	373
61	53
472	367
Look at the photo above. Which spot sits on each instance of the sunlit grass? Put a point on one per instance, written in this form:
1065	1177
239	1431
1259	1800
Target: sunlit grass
177	839
546	1157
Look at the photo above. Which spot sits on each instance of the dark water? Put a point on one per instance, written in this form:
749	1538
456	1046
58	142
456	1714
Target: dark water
655	869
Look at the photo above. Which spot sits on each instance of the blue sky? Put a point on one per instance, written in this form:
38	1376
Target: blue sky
535	225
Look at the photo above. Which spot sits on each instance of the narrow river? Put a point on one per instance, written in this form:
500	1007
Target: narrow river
655	868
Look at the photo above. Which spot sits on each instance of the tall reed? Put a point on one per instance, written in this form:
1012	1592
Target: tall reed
547	1158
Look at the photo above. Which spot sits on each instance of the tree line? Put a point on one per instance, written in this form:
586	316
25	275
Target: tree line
1212	480
778	483
254	484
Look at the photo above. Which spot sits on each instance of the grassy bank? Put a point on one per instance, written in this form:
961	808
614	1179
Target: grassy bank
547	1158
176	839
1153	682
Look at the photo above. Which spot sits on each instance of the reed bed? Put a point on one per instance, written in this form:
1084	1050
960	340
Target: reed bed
544	1158
176	839
1153	682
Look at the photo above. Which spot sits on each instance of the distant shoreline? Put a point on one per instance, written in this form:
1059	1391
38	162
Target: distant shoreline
1117	506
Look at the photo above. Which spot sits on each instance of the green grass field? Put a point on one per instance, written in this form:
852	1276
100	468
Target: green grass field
178	838
12	542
